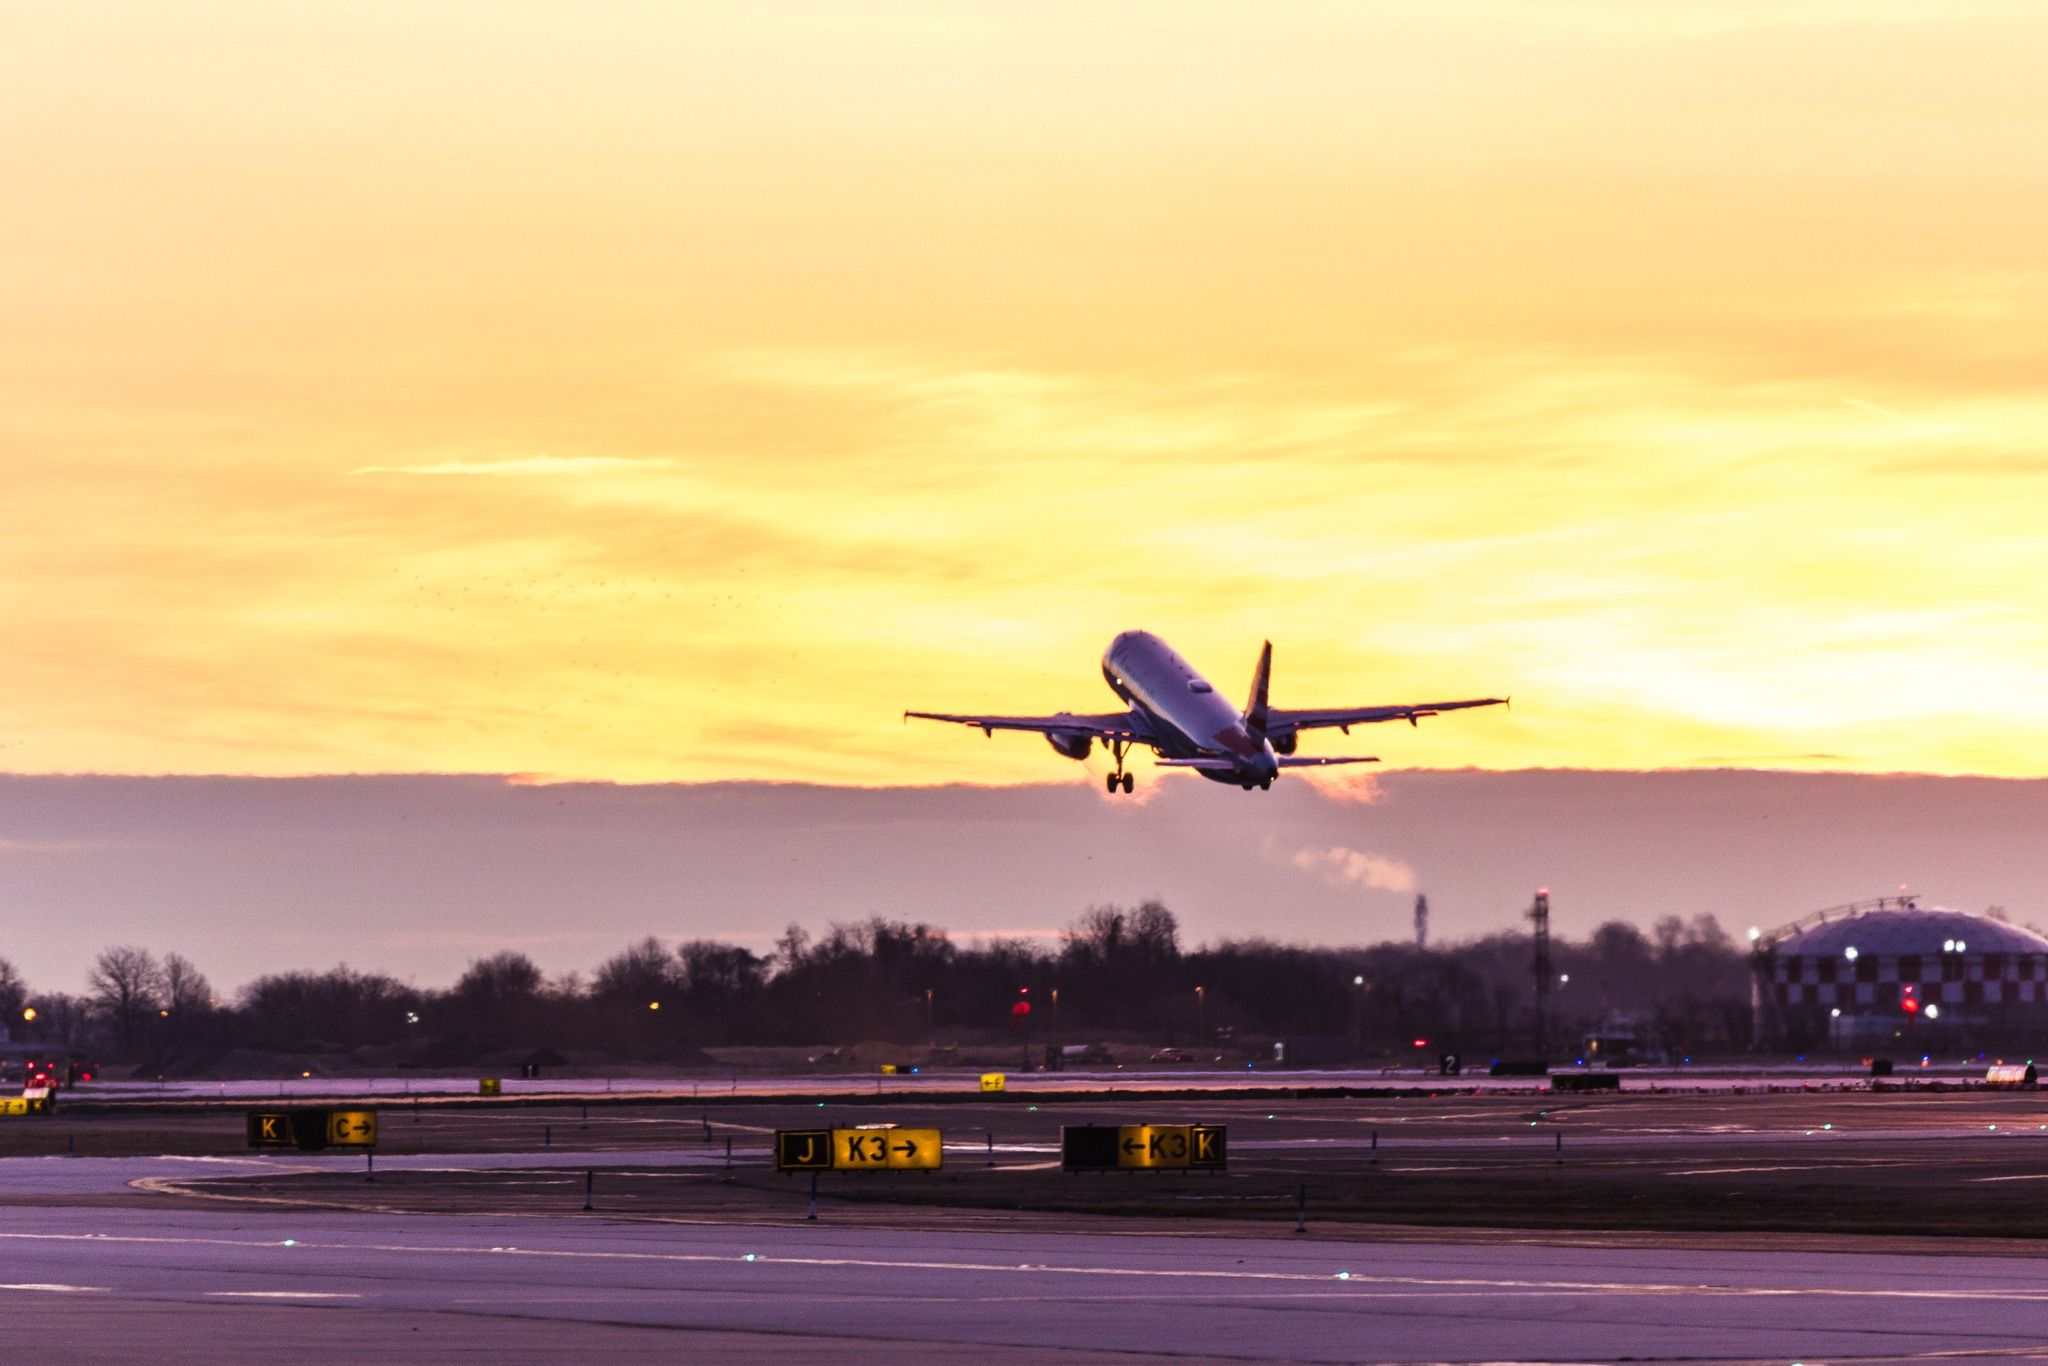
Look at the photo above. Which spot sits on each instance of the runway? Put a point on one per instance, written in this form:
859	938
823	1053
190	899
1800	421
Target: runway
512	1287
1760	1228
944	1081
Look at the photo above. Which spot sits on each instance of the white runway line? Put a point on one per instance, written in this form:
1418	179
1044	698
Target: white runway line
1359	1280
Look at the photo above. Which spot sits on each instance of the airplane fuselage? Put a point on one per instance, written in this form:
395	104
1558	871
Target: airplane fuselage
1187	715
1172	710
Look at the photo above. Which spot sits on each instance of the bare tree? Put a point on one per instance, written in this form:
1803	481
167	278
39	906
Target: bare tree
791	946
13	995
185	988
639	974
499	997
126	982
187	995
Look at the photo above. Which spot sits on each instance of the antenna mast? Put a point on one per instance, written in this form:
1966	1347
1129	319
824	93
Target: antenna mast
1540	914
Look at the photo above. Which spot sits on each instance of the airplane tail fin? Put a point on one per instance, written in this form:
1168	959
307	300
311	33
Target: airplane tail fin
1255	710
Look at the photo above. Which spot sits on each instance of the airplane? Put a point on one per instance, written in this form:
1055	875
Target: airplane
1174	711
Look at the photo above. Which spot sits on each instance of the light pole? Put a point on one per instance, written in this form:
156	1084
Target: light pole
931	1037
1201	1014
1055	1017
1358	1013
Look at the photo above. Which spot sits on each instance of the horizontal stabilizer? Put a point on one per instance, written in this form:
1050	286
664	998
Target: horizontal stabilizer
1297	761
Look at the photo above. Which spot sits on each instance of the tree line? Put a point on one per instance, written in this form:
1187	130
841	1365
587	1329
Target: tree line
1116	973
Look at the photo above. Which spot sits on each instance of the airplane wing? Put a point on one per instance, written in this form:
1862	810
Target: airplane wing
1121	725
1220	765
1281	722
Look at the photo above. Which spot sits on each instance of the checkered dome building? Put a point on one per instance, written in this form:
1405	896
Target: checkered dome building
1891	969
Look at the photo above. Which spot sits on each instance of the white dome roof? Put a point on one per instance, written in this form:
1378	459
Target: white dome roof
1896	932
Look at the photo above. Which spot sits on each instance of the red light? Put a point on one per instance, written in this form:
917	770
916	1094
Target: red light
1911	1006
1020	1010
1422	1043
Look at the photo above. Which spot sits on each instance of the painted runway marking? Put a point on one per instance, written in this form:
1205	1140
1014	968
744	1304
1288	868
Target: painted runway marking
1359	1279
282	1295
58	1289
1810	1167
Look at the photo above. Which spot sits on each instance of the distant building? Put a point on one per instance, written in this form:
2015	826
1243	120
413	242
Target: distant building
1894	974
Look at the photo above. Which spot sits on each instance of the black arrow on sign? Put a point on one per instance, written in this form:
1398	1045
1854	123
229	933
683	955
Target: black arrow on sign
1131	1145
909	1148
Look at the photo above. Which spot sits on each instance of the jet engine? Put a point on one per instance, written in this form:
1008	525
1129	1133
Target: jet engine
1284	744
1075	744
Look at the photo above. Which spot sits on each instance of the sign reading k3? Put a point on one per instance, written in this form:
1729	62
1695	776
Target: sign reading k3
1143	1147
857	1150
887	1149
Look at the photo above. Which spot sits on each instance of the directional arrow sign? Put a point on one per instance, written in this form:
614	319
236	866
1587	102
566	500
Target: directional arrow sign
1147	1146
1141	1147
914	1150
883	1148
352	1128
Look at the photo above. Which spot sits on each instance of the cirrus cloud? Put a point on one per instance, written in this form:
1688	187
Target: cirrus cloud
521	467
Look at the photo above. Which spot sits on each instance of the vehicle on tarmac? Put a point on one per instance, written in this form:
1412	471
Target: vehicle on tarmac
1172	1055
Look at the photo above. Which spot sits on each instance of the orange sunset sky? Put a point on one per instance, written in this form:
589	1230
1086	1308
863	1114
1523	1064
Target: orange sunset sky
679	392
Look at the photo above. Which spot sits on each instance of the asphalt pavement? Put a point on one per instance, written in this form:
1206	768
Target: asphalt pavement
148	1276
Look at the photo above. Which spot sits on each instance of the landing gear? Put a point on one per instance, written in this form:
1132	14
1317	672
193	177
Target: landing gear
1119	779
